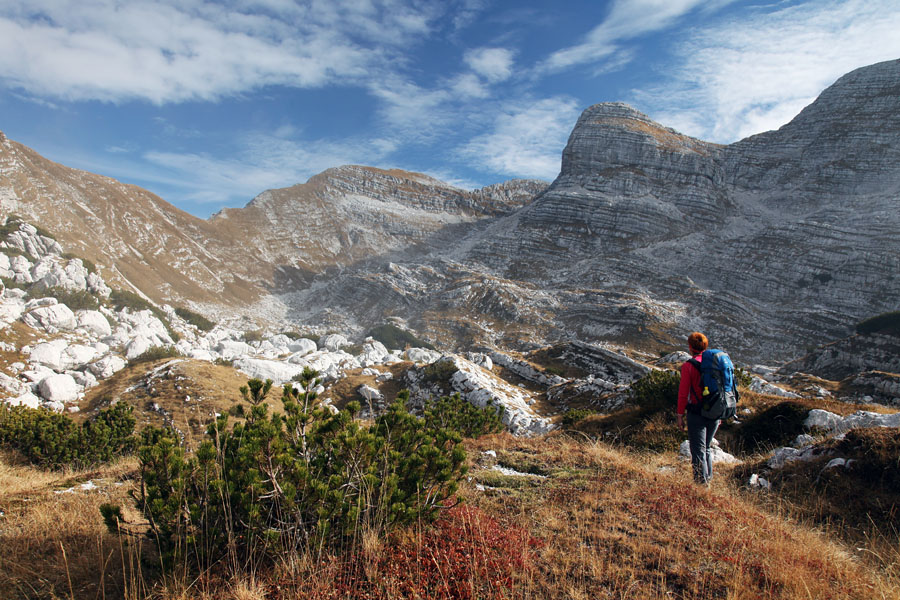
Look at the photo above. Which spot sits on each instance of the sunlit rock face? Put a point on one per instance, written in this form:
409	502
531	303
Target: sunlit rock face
771	244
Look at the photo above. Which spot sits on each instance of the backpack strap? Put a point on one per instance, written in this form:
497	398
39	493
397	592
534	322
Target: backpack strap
693	398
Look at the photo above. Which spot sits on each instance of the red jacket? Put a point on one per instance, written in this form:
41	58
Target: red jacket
690	385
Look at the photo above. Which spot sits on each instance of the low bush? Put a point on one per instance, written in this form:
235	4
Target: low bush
656	391
157	353
440	371
91	267
776	426
395	338
195	319
460	416
54	440
574	416
74	299
124	299
305	479
886	324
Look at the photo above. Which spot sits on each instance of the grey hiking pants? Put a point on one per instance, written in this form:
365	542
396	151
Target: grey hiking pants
700	435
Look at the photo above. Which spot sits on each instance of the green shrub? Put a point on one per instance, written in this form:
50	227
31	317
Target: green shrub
124	299
13	251
195	319
157	353
91	267
742	377
74	299
886	324
253	336
461	416
656	391
54	440
395	338
12	283
120	299
573	416
776	426
439	371
305	479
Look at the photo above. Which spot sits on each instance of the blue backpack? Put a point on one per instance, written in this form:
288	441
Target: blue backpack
719	389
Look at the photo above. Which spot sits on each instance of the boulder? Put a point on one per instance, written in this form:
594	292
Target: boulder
49	354
422	355
77	355
10	308
761	386
27	399
718	455
51	319
138	346
334	341
304	346
107	366
59	388
93	322
373	353
279	372
231	349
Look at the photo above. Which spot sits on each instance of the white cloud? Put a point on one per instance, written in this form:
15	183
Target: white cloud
527	139
494	64
264	162
752	75
627	19
172	51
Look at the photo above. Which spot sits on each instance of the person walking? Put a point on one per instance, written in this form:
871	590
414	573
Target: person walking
700	429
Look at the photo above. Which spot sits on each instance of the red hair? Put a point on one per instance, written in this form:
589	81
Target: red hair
697	342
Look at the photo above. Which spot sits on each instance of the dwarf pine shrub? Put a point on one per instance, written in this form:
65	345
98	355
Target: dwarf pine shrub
461	416
74	299
53	440
157	353
303	479
656	391
195	319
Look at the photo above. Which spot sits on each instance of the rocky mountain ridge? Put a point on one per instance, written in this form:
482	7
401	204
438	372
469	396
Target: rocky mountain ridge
770	244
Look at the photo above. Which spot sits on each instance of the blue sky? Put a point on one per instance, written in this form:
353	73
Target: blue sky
209	103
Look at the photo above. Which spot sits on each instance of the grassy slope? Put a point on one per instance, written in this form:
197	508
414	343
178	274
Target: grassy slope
602	522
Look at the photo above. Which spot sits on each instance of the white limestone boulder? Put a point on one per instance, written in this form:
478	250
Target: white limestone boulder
421	356
231	349
51	319
761	386
93	322
49	354
279	372
107	366
78	355
334	342
28	399
373	353
304	346
138	346
59	388
718	455
835	424
11	308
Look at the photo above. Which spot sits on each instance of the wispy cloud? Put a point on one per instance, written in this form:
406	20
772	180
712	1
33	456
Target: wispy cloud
494	64
741	78
526	139
627	19
264	161
171	50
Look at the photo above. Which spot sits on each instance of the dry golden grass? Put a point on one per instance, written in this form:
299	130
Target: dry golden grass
54	543
608	524
615	526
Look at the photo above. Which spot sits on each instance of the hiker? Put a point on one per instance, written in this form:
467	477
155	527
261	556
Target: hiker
701	430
